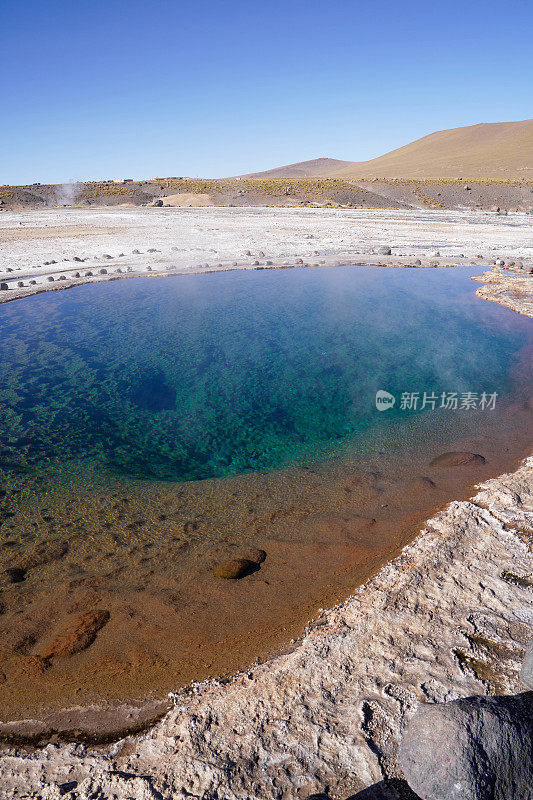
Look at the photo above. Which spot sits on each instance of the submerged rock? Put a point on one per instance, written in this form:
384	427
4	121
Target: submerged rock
235	568
456	459
13	575
477	748
422	484
79	636
43	553
254	554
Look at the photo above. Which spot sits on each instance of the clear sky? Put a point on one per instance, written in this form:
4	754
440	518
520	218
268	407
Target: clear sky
142	88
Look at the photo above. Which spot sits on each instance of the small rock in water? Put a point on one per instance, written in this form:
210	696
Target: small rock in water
477	748
235	568
77	637
254	554
422	484
527	667
456	459
13	575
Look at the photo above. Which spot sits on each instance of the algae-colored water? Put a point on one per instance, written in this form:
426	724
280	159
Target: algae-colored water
213	375
153	428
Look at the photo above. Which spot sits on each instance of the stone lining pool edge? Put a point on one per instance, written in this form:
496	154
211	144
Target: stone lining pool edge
57	285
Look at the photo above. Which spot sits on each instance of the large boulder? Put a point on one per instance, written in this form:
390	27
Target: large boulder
478	748
527	668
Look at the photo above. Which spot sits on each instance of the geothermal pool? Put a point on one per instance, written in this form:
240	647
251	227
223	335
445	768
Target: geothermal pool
152	428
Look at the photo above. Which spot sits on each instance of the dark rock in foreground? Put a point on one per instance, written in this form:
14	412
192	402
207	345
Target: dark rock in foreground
478	748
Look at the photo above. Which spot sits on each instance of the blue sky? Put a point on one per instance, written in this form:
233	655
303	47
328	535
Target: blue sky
139	88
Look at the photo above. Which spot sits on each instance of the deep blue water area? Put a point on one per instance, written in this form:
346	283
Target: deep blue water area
202	376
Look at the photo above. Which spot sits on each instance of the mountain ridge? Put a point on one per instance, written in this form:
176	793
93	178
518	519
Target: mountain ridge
486	150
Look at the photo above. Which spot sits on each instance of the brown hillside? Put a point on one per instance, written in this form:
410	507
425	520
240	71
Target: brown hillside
316	168
488	151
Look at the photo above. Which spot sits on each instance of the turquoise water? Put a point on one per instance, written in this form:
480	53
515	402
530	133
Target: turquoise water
205	376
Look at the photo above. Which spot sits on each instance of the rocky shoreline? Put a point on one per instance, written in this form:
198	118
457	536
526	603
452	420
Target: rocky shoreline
450	617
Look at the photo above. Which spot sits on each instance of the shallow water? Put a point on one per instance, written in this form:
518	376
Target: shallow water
152	428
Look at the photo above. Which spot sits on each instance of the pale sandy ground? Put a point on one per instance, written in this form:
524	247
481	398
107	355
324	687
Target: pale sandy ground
205	239
448	618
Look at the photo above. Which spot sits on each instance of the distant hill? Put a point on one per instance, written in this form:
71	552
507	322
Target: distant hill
316	168
491	151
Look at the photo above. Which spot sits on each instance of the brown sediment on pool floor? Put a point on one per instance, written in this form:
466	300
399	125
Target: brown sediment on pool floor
111	596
